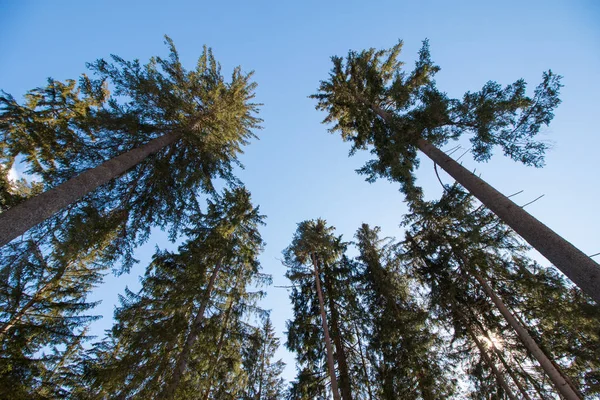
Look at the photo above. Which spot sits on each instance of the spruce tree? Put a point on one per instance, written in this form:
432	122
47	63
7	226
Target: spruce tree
314	248
473	263
377	106
408	362
264	374
166	339
165	132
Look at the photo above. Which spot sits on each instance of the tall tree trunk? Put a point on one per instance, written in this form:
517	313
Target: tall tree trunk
340	353
262	367
576	265
547	353
497	351
491	364
363	363
19	219
183	358
559	382
580	268
330	363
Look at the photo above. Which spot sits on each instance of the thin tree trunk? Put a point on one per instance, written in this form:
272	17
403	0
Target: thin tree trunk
533	381
559	382
507	367
330	363
19	219
576	265
546	352
580	268
491	364
340	353
363	363
183	358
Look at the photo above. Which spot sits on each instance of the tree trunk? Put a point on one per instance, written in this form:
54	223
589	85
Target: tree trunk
330	363
576	265
580	268
340	353
497	351
183	358
363	363
491	364
19	219
559	382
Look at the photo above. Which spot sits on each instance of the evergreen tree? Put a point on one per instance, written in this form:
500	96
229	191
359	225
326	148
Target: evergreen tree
470	258
374	104
165	132
43	317
314	248
164	343
264	375
408	364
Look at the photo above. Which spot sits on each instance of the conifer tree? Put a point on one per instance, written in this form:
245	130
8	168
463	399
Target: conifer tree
408	364
164	342
471	258
165	132
43	314
264	374
313	250
377	106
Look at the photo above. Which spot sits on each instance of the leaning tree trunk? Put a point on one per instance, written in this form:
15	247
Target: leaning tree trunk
19	219
184	356
576	265
498	352
330	364
491	364
559	381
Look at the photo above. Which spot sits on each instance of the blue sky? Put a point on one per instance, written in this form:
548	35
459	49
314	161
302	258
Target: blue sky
297	170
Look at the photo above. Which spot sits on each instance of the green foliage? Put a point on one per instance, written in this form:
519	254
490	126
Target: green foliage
451	240
407	361
264	375
376	105
139	355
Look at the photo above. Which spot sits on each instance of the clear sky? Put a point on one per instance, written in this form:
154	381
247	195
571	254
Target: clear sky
297	170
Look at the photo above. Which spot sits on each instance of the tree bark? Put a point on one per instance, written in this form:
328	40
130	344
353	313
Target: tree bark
559	382
576	265
184	356
491	364
19	219
340	353
330	363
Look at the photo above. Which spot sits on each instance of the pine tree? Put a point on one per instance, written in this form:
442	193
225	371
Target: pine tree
164	341
374	104
264	375
177	131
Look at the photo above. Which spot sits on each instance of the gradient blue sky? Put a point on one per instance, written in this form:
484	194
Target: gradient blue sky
297	170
